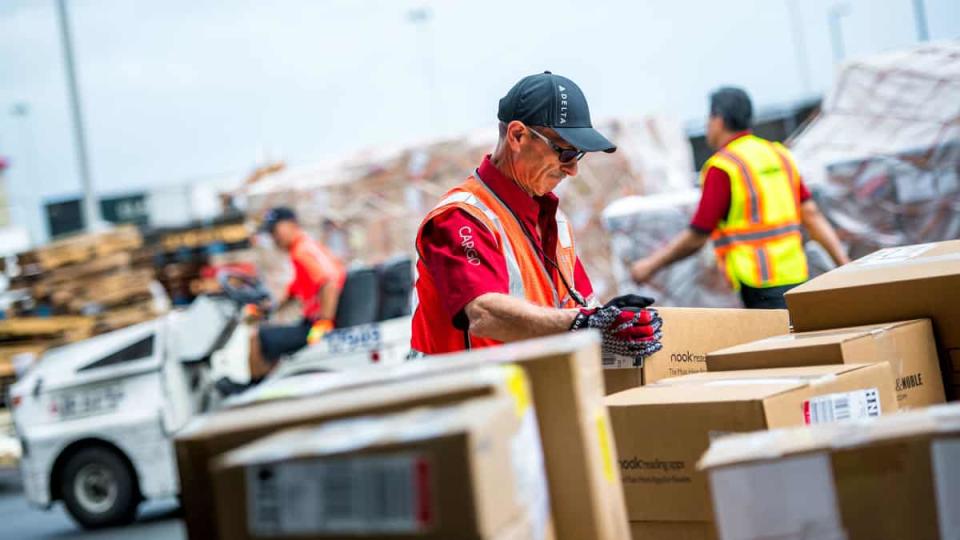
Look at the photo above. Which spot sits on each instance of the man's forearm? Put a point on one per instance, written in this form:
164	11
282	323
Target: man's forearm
505	318
823	233
329	298
684	245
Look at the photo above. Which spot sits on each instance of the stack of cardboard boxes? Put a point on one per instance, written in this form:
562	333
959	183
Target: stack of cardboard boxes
662	430
519	442
896	284
449	447
870	338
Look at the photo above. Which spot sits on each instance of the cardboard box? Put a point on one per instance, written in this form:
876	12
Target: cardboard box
211	435
565	373
896	284
908	346
662	429
467	471
688	335
892	477
672	530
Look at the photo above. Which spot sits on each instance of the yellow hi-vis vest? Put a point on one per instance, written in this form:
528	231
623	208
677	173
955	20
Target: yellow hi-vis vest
759	244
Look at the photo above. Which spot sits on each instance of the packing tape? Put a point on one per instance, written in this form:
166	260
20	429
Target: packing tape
519	388
606	448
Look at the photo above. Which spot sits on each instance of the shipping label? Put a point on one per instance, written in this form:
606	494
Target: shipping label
842	406
366	494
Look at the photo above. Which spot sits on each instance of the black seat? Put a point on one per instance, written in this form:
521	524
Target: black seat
396	288
360	298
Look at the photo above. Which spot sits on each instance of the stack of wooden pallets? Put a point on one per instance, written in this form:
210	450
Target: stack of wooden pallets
77	287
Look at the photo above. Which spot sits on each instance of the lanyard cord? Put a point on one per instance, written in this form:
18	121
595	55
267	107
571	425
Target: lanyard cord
577	297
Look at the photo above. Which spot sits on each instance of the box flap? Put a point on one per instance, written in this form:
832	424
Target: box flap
922	261
801	374
703	392
354	434
812	339
762	445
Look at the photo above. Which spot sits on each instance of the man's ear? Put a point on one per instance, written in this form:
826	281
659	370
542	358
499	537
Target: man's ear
516	131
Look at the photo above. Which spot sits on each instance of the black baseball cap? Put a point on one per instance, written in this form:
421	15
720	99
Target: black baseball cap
555	102
276	215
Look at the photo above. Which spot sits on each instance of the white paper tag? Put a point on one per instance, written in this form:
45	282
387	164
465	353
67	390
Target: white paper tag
842	406
614	361
348	495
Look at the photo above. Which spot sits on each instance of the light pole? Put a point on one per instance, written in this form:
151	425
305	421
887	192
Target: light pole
799	45
91	211
421	18
834	16
920	17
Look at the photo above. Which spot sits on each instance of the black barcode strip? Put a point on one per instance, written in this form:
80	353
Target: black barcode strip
841	408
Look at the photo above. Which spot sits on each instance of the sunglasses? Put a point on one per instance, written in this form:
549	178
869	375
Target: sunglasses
566	155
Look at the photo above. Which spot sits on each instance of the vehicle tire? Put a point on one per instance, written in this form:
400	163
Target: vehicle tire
99	489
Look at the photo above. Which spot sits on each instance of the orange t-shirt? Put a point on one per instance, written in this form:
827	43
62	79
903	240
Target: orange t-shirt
313	267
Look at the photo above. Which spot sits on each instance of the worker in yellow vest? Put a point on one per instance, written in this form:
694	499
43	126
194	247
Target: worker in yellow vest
754	206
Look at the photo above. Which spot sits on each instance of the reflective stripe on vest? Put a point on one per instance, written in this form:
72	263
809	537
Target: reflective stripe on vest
759	243
433	330
730	239
556	299
515	278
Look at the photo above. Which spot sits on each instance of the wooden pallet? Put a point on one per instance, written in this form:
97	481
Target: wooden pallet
27	328
84	247
69	276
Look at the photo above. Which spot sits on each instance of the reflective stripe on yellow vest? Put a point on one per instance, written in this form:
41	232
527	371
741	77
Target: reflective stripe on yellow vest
760	244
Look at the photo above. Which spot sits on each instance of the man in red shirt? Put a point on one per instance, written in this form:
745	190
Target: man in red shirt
318	278
496	257
728	131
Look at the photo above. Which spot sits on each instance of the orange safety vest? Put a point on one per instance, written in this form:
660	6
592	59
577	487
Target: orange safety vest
760	244
529	278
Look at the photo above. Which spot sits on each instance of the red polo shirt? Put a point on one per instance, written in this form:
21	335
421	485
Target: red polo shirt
458	279
715	201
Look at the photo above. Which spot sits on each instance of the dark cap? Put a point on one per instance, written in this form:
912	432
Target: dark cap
555	102
276	215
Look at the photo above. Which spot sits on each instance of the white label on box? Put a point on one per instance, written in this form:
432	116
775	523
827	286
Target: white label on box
894	255
788	498
946	474
842	406
615	361
342	495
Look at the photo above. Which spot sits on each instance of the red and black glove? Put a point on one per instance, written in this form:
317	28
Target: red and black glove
627	326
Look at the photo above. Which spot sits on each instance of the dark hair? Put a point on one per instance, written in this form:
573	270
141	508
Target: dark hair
733	105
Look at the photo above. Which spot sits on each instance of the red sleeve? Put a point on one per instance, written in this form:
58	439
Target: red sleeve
581	281
804	192
463	259
714	203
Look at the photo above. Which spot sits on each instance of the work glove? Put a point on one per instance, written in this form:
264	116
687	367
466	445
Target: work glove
627	326
318	330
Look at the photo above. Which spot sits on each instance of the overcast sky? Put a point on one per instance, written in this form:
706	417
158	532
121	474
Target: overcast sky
176	91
